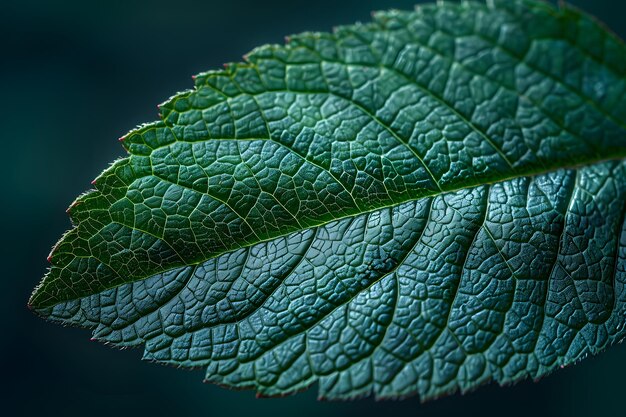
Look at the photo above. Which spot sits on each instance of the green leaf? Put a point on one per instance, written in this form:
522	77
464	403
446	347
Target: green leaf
415	205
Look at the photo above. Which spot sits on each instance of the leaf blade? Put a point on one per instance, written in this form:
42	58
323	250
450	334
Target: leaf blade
233	163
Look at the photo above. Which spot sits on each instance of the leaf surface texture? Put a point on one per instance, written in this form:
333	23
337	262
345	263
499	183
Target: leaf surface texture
416	205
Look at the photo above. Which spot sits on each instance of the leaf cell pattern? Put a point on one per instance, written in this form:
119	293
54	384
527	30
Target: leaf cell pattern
413	206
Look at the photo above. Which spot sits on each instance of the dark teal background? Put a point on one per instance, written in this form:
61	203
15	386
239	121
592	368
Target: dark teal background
73	78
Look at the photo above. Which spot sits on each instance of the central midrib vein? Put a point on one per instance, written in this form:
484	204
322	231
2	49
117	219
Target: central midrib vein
338	218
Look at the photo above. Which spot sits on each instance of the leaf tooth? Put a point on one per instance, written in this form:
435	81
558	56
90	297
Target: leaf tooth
201	77
145	138
76	202
263	51
77	209
175	104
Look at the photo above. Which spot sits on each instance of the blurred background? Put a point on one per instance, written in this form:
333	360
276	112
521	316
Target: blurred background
77	75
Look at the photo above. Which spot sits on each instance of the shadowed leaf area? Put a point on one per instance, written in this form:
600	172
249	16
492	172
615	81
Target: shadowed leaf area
411	206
